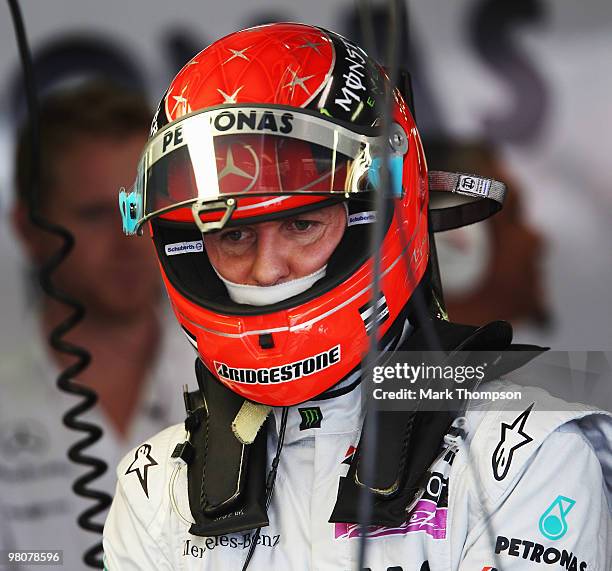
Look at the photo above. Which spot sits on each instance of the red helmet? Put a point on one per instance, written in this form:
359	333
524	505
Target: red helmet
262	124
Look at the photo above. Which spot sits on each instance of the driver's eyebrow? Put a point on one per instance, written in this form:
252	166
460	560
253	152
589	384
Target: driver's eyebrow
326	213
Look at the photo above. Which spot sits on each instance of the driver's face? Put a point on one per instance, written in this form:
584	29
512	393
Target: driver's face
270	253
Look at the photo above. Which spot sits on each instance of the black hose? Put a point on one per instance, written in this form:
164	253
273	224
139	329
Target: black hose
270	481
368	444
423	312
65	380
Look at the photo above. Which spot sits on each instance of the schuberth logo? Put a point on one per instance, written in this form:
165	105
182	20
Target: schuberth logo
184	247
532	551
513	436
281	374
311	417
361	218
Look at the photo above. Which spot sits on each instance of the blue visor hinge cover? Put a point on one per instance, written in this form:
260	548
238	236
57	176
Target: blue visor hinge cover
396	169
131	211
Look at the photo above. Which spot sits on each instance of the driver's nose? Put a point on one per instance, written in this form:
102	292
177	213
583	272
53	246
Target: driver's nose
270	265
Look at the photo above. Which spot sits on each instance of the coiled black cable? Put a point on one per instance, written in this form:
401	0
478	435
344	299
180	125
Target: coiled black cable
65	381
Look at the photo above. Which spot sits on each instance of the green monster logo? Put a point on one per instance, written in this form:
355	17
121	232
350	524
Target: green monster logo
311	417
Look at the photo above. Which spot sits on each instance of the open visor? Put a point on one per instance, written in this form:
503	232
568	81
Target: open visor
230	158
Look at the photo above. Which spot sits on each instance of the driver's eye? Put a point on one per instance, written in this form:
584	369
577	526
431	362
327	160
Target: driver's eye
232	235
302	224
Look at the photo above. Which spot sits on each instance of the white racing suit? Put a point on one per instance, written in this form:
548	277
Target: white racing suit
525	489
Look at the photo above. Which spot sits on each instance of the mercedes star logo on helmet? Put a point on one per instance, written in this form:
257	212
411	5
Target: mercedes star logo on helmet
232	168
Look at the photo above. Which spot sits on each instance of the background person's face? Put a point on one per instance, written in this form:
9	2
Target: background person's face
112	275
271	253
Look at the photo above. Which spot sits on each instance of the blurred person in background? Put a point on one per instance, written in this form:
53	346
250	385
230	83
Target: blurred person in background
492	270
91	139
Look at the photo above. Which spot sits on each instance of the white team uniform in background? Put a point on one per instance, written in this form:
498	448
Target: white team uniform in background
531	485
38	509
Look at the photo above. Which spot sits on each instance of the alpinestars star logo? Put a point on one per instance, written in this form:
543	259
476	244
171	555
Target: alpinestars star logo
513	436
140	466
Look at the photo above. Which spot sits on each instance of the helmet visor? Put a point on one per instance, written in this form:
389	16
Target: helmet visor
210	156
